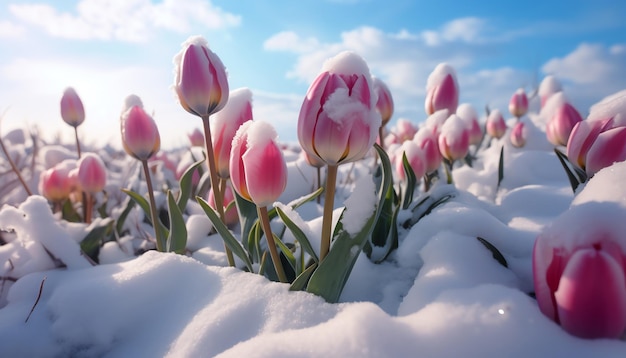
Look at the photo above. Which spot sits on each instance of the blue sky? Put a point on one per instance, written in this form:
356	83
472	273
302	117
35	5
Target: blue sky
107	50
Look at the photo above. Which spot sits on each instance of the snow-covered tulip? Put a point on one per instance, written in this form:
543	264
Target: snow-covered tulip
579	270
518	135
55	183
582	137
561	124
467	112
436	120
518	105
442	90
224	125
403	130
608	148
92	173
427	141
496	127
549	86
72	110
200	78
230	213
338	121
414	156
140	135
454	139
196	138
384	103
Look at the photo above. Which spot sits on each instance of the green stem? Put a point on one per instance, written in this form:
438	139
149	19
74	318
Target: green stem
77	142
219	199
319	183
160	242
448	167
265	221
380	136
329	202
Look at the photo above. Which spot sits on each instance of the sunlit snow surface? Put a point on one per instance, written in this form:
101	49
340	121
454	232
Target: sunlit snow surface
441	294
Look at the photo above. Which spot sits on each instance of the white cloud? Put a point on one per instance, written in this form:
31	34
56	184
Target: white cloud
9	29
467	29
131	20
290	41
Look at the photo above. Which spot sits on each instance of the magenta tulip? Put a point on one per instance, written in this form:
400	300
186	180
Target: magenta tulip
561	124
230	213
92	173
496	127
454	139
224	125
518	135
338	121
140	135
608	148
384	104
200	78
72	110
518	105
442	90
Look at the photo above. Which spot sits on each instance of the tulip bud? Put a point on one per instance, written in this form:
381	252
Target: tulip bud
230	216
91	173
518	105
196	138
518	135
257	166
338	122
200	78
496	127
55	183
384	104
427	141
581	138
454	139
140	135
442	90
414	156
72	110
608	148
404	130
470	117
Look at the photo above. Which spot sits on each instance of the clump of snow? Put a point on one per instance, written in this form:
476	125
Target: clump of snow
436	120
360	205
613	106
439	74
453	127
549	86
340	107
347	63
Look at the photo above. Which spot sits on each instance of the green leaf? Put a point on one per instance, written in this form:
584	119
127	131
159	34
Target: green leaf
177	239
226	235
383	240
247	214
68	213
288	254
501	167
497	255
91	243
298	234
573	181
145	206
411	182
185	184
122	218
331	276
302	280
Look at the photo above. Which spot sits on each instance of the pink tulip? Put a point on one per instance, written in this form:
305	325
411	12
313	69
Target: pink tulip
436	120
469	115
496	127
442	90
404	130
582	137
313	161
454	139
338	122
384	104
608	148
72	110
224	125
518	105
55	183
140	135
230	216
561	124
200	78
196	138
427	141
549	86
257	167
518	135
414	156
579	270
92	173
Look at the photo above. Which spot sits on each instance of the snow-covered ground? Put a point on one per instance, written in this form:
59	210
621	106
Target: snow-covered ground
442	293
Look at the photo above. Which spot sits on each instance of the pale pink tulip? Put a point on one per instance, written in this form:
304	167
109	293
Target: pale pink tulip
55	183
414	156
454	139
427	141
230	214
140	135
518	105
518	135
608	148
338	122
257	166
582	137
224	125
404	130
470	117
313	161
196	138
436	120
442	90
384	104
200	78
72	110
92	173
561	124
496	127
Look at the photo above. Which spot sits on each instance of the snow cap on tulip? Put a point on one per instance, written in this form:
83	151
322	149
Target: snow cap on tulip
454	139
549	86
200	80
224	125
92	173
436	120
468	114
338	121
404	130
384	104
140	135
518	135
612	107
442	90
518	105
258	170
427	141
496	127
72	110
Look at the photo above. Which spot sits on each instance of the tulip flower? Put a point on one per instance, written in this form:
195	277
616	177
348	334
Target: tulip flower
404	130
470	117
259	174
196	138
414	156
384	104
72	112
454	139
518	135
442	90
608	148
55	183
579	270
338	122
560	126
518	105
230	213
581	138
427	141
496	127
91	179
549	86
225	124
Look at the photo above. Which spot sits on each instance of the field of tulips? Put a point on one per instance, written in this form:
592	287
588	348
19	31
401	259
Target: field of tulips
456	234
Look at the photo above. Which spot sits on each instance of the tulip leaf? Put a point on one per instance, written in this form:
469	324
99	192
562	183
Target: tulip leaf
411	182
185	184
119	226
298	234
573	181
68	212
300	283
145	206
333	272
497	255
288	255
429	203
177	238
501	167
90	244
226	235
248	216
384	237
297	203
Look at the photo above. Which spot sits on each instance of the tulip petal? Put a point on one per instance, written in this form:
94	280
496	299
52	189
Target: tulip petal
266	171
608	148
